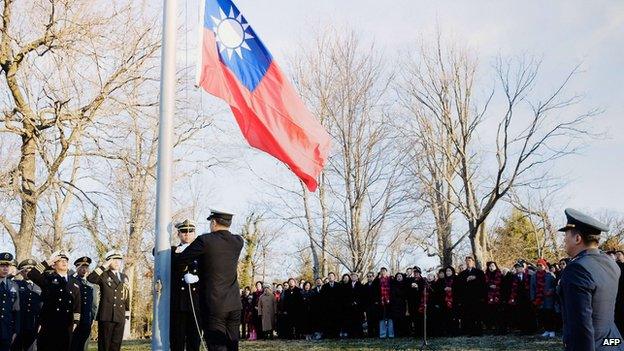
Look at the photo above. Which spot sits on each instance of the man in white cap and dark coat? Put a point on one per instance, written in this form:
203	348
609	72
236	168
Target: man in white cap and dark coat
60	312
114	306
217	253
185	315
588	288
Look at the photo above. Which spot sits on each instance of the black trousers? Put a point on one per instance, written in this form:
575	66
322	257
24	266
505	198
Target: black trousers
80	337
471	318
24	340
221	330
54	338
183	333
372	321
546	317
110	335
5	344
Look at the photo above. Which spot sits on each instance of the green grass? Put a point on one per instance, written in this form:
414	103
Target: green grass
486	343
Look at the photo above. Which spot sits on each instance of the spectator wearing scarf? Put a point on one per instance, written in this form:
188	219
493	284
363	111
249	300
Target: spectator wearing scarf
543	297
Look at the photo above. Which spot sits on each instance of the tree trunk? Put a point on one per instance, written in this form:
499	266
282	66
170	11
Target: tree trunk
24	241
478	242
445	245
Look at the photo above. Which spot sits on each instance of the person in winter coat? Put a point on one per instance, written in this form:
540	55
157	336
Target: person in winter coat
471	296
306	326
435	306
493	282
415	287
247	313
256	331
267	310
345	314
398	305
450	302
384	295
330	296
543	297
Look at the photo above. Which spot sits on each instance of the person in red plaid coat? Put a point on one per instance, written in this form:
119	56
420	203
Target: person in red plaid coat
493	283
543	297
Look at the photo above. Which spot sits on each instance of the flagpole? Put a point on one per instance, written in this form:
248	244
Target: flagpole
162	251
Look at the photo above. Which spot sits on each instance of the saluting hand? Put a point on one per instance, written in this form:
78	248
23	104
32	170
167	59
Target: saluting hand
53	259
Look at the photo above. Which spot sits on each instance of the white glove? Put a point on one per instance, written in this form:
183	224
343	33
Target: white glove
55	256
190	278
181	248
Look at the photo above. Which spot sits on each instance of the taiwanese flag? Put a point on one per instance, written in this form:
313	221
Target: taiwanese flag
236	67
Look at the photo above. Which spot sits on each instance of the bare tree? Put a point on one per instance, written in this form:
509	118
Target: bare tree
59	200
434	161
257	250
65	64
531	131
346	85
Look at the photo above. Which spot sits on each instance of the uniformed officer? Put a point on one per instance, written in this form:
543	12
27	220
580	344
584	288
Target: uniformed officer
184	293
217	253
9	303
87	305
30	307
114	306
588	288
60	312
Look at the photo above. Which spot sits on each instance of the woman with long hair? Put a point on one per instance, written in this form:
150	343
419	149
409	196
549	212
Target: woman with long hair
398	305
307	295
493	283
346	312
247	313
256	331
450	316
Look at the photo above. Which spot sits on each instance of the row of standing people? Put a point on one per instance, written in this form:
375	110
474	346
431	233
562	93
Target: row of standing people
45	306
521	299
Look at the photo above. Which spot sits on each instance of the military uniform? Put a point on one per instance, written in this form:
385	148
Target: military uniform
114	305
587	291
30	307
60	311
217	254
87	309
183	327
9	306
619	303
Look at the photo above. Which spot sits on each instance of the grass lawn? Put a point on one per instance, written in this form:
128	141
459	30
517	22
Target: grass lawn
486	343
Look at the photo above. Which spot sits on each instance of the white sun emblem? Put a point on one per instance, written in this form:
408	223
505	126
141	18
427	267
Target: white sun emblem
231	33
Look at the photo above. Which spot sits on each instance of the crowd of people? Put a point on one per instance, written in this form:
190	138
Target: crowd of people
466	301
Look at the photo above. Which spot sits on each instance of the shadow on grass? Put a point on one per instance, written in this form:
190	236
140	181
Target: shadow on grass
486	343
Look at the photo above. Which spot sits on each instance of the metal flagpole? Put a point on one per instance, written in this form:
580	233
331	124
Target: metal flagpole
162	250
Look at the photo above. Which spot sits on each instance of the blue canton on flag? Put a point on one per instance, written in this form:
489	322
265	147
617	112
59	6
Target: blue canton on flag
239	47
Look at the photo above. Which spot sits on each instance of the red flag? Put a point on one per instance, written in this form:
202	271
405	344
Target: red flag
236	66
